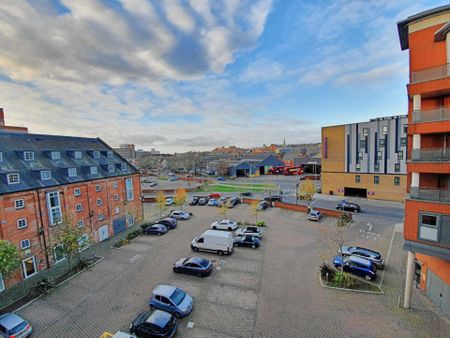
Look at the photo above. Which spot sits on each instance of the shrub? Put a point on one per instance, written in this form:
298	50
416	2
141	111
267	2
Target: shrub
326	270
42	287
131	236
260	224
343	279
119	243
145	225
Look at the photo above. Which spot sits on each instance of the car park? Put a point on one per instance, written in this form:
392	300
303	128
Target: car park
169	222
251	231
262	205
314	215
273	198
357	266
155	229
153	183
194	200
213	202
154	324
193	266
346	206
369	254
12	325
246	194
169	201
203	201
171	299
219	242
247	241
180	215
224	224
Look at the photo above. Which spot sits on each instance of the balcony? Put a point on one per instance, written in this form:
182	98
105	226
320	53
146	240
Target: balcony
430	74
428	115
436	195
431	155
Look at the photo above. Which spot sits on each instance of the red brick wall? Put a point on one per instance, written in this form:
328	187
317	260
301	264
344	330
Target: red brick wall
432	141
436	168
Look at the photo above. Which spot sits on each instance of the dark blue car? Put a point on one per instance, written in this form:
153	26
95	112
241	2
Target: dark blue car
154	324
193	266
155	229
357	266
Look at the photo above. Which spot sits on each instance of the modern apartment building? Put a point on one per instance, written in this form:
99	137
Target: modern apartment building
366	159
427	209
48	179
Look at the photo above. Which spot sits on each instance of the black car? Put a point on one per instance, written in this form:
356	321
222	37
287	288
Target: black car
169	222
246	194
232	202
262	205
273	198
247	241
193	266
203	200
194	200
346	206
155	229
154	324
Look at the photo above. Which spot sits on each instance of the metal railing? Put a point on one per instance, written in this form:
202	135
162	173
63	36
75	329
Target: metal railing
431	155
426	115
430	194
430	74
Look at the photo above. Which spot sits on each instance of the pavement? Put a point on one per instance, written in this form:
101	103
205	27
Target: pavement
272	291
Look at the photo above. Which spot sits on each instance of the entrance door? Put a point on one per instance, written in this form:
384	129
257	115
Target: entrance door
261	170
103	233
29	267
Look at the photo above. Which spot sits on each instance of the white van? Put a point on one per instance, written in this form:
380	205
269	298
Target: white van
214	241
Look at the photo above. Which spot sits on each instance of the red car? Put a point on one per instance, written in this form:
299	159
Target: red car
215	195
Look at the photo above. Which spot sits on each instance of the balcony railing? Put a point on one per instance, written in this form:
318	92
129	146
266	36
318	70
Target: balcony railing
430	194
431	155
430	74
438	114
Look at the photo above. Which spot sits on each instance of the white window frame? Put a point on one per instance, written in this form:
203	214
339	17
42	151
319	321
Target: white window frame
109	154
25	275
129	189
22	247
24	221
78	155
98	188
101	216
379	155
96	154
2	283
44	173
72	172
397	180
80	223
99	201
94	170
19	203
79	207
55	155
54	254
54	212
116	210
360	155
82	245
110	168
124	167
28	155
77	192
13	178
403	141
130	219
397	165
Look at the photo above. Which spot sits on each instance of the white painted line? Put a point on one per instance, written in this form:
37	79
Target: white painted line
134	258
370	226
388	254
190	325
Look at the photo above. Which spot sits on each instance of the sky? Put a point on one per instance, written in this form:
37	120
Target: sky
181	75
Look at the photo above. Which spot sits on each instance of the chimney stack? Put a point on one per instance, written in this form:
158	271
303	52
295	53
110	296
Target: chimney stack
2	117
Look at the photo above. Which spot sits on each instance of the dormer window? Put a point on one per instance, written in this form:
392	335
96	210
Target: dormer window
28	155
111	168
46	175
72	172
55	155
78	155
124	167
96	154
1	156
13	178
94	170
109	153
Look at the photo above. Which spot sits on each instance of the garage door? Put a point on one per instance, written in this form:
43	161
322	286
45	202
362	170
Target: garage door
438	292
103	233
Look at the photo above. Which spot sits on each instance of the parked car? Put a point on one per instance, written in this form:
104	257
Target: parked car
346	206
251	231
169	201
194	200
222	201
220	178
232	202
173	178
224	224
203	201
213	202
273	198
169	222
12	325
219	242
155	229
246	194
154	324
153	183
314	215
262	205
123	334
371	255
214	195
179	214
171	299
247	241
357	266
193	266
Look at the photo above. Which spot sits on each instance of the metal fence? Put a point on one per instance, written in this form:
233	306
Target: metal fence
431	155
430	194
437	114
429	74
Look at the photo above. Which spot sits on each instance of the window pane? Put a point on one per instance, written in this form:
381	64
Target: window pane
429	220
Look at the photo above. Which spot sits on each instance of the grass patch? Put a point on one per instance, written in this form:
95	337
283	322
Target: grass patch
239	187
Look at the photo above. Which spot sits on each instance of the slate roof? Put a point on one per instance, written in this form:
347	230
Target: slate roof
13	146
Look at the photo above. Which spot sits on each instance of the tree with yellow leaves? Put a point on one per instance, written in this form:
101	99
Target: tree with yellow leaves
254	209
161	202
180	197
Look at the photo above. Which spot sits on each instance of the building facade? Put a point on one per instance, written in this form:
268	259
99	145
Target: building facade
127	151
254	165
366	159
427	209
48	180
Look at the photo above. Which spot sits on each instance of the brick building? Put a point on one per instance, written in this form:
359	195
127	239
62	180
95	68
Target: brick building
45	179
427	209
366	159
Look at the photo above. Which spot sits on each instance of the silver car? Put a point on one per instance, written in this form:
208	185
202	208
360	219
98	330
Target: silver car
11	325
368	254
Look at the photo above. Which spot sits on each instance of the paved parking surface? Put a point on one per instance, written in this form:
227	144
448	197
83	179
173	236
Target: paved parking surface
269	292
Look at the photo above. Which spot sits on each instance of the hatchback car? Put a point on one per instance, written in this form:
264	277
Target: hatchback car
247	241
155	229
357	266
169	201
169	222
12	325
203	201
224	224
262	205
252	231
273	198
222	201
369	254
346	206
220	178
194	200
314	215
213	202
154	324
193	266
171	299
180	215
232	202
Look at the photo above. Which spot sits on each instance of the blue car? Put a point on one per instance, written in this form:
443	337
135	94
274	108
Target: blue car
357	266
213	202
171	299
11	325
220	178
193	266
154	324
155	229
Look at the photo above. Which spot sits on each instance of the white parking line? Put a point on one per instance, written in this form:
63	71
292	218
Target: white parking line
190	325
396	228
134	258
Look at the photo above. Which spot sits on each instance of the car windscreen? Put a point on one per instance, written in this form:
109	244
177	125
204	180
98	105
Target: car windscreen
178	296
18	328
204	263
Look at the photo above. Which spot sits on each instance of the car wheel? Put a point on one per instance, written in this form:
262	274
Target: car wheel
368	277
229	229
215	228
176	270
195	249
220	252
177	315
152	307
159	234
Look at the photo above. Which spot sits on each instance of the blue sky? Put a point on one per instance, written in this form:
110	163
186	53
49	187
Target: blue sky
181	75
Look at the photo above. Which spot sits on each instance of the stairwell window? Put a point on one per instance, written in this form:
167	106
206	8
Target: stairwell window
54	207
429	227
129	189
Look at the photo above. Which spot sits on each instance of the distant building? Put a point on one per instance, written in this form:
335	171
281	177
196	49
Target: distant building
366	159
9	129
127	151
254	165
